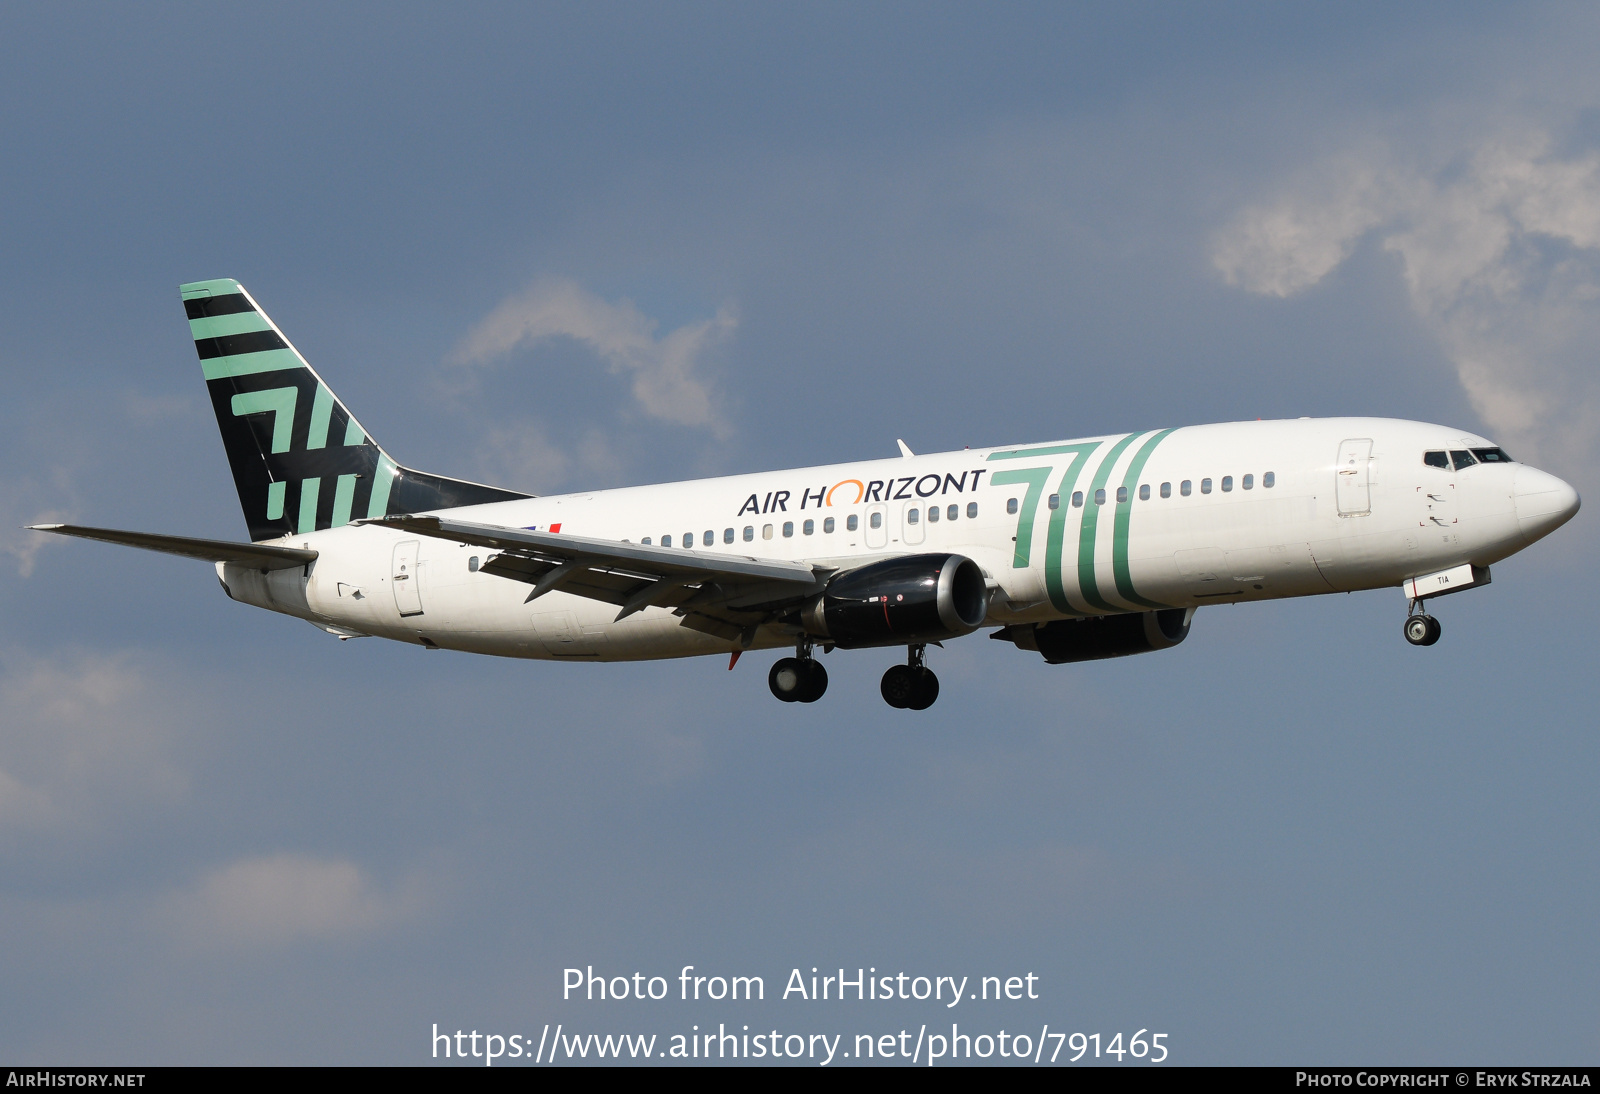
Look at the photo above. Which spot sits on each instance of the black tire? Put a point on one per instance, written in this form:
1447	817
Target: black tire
787	679
1434	630
816	681
899	686
1418	632
927	691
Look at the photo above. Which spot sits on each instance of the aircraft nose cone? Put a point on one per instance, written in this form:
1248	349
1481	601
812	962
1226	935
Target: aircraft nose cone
1544	502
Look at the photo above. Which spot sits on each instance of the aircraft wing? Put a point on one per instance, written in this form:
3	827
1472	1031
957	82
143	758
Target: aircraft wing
260	556
725	595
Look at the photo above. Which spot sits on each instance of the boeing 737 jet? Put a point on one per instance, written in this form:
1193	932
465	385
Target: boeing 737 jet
1074	549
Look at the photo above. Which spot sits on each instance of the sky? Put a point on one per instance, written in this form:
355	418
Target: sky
571	246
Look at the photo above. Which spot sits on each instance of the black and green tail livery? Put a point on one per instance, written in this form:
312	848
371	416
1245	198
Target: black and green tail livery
300	460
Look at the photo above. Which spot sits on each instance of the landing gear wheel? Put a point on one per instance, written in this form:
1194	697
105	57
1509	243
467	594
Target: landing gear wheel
816	681
899	686
797	680
787	679
1422	630
908	688
927	690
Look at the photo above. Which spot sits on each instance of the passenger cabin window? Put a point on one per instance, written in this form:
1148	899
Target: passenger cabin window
766	531
972	510
1166	490
1269	480
749	532
808	527
645	541
852	522
688	539
1249	482
708	538
472	564
1077	499
1437	459
666	541
1227	484
1186	488
933	514
1011	506
788	529
1462	459
1122	494
827	525
952	512
911	516
1144	492
1099	497
1492	455
727	535
877	520
1055	501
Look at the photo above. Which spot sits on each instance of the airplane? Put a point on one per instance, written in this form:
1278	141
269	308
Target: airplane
1075	550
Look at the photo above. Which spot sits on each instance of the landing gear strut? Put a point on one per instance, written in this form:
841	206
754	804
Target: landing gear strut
1421	629
911	686
798	679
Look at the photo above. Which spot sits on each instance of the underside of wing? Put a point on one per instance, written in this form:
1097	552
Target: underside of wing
725	595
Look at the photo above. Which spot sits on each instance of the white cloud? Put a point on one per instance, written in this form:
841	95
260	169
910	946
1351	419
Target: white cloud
523	457
80	736
1499	246
665	370
281	898
26	501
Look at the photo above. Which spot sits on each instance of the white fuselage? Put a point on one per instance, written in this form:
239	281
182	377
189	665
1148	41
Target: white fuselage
1272	509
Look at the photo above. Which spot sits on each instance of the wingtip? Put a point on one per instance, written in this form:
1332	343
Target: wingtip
43	527
905	449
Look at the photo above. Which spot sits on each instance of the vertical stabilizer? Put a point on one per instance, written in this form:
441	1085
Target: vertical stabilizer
300	459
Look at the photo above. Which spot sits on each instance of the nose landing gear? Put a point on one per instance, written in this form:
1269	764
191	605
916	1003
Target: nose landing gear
1421	629
798	679
911	686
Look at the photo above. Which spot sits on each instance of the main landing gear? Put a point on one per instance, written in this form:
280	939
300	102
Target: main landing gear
911	686
798	679
1421	628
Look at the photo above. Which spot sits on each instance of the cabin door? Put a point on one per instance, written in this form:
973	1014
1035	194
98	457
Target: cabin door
407	590
1353	482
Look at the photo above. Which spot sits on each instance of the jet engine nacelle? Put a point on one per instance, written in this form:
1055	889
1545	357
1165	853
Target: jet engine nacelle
1065	640
914	598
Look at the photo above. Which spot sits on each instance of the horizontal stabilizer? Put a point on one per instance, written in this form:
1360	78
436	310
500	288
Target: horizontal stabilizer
257	555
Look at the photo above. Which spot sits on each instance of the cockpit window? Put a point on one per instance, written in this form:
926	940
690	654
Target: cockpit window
1462	458
1492	455
1437	459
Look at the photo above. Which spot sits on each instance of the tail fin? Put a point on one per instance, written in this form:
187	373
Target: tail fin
300	460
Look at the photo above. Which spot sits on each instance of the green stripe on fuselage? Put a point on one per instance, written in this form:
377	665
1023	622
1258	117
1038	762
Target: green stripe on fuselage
1035	478
1088	587
1055	579
1119	531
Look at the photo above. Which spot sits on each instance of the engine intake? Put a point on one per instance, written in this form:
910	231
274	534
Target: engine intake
1063	641
914	598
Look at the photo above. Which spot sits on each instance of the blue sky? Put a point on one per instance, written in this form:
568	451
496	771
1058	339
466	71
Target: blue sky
740	237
